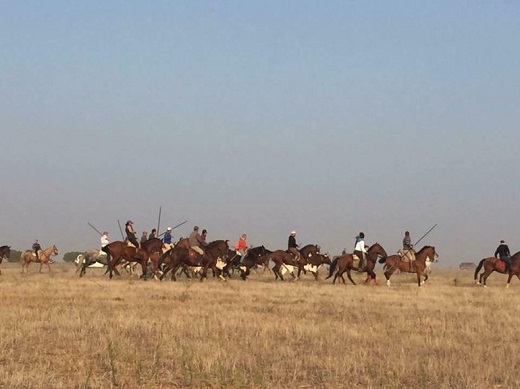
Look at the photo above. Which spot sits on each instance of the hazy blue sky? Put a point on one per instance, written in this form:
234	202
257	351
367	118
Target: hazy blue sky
327	117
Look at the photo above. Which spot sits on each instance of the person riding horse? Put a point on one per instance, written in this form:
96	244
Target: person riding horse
407	241
241	247
407	253
36	248
360	250
502	252
130	233
167	238
293	247
196	242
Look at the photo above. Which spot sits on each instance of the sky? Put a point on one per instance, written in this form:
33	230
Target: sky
262	117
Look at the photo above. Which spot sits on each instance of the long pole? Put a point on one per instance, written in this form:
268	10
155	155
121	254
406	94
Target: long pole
159	221
422	237
173	228
94	228
120	229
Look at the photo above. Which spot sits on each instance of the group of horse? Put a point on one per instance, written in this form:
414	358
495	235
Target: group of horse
223	261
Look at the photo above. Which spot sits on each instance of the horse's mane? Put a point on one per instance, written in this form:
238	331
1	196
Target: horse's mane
214	243
424	248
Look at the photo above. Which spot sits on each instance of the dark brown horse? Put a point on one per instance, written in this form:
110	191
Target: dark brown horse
44	257
420	266
492	264
150	250
5	253
281	262
182	254
345	263
173	259
256	256
309	257
212	252
117	251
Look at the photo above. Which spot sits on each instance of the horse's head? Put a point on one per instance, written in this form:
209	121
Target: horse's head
325	258
54	250
376	248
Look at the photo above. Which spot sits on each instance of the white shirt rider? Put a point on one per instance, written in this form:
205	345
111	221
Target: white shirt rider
104	239
360	246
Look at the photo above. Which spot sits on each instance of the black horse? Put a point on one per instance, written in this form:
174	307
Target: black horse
256	256
5	253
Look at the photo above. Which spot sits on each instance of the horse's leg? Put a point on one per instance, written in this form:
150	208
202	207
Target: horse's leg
487	273
48	265
350	276
41	264
371	276
509	279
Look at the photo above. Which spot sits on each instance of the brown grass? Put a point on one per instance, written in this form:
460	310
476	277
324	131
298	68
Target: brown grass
59	331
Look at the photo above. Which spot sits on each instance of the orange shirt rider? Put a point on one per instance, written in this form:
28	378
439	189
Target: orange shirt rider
241	247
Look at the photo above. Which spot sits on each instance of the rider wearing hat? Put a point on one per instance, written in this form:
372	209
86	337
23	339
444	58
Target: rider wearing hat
503	253
360	249
130	233
167	238
292	246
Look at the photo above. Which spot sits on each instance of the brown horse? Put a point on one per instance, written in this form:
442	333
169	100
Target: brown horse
345	263
282	262
44	257
150	250
310	259
492	264
182	254
5	253
117	251
173	259
420	266
256	256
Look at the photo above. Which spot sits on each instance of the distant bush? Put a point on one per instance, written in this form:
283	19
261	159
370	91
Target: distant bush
15	256
71	256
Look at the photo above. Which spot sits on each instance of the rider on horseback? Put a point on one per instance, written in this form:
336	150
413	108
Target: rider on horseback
293	247
36	247
360	249
407	242
130	233
503	253
241	247
167	238
195	240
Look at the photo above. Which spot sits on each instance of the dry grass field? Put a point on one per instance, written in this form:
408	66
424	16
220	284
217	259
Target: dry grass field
59	331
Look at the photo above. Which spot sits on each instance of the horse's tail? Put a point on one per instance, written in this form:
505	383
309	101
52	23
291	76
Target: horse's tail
481	263
332	267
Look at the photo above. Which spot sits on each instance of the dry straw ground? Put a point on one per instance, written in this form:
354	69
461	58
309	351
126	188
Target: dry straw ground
59	331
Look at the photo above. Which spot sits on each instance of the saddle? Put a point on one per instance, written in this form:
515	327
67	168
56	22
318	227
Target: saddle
130	244
407	255
166	247
501	266
355	261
